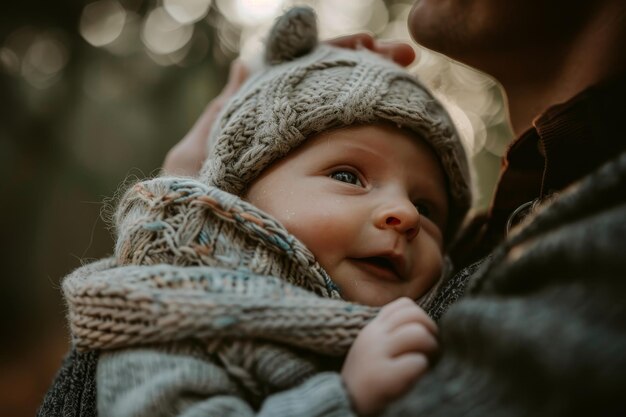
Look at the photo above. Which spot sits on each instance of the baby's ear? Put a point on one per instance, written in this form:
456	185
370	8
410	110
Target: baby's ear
294	34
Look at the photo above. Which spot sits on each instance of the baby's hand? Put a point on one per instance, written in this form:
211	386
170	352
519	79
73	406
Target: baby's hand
388	356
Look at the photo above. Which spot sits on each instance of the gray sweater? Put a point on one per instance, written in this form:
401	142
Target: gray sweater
182	379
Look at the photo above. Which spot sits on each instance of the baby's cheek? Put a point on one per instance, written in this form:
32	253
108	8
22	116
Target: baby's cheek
320	230
428	270
325	230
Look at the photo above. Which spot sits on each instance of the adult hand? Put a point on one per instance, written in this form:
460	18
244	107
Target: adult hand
388	356
399	52
188	155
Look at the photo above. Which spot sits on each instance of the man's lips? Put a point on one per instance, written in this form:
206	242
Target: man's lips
385	266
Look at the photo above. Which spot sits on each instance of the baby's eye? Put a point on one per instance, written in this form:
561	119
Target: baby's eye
423	209
346	176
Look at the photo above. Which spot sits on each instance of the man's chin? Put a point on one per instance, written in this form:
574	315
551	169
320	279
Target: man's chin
420	21
435	27
433	22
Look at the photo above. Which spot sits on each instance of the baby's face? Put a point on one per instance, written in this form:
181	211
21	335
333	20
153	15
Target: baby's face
370	202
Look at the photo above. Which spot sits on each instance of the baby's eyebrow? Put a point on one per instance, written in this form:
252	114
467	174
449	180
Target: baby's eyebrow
362	149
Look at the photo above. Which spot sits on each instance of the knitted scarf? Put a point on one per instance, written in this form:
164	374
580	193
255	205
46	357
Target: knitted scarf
193	262
122	306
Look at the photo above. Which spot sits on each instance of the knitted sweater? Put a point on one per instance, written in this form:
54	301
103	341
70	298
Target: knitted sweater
212	308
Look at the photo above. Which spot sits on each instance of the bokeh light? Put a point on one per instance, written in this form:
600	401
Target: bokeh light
187	11
16	45
102	22
341	17
39	57
44	61
163	35
9	61
127	42
250	12
100	89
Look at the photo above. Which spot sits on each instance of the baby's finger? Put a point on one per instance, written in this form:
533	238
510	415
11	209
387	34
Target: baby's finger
407	369
412	337
410	313
393	307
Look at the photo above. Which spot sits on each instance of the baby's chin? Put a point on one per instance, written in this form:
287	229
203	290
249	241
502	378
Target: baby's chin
372	296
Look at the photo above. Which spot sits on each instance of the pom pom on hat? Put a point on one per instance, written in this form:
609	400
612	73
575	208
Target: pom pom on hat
306	87
294	34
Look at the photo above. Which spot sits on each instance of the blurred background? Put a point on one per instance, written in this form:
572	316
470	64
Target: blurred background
92	93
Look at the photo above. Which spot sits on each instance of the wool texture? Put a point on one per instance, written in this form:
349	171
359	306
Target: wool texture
209	295
239	274
549	341
289	100
211	306
73	393
183	222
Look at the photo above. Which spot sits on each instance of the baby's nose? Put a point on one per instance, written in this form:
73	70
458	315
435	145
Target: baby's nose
403	218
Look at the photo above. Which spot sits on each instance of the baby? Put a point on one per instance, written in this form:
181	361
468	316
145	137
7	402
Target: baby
333	185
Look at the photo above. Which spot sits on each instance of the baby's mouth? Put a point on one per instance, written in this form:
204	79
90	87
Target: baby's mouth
381	266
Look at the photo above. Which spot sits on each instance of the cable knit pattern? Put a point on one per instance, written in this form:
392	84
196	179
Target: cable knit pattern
289	100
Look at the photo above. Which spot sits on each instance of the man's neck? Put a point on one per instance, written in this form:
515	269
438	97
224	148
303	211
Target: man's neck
549	77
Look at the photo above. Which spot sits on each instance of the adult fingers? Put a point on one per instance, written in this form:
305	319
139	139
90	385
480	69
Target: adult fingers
399	52
354	41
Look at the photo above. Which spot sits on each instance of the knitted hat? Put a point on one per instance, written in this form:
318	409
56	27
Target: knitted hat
306	87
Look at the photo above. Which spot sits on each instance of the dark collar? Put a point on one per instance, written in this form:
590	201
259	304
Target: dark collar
565	143
580	135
